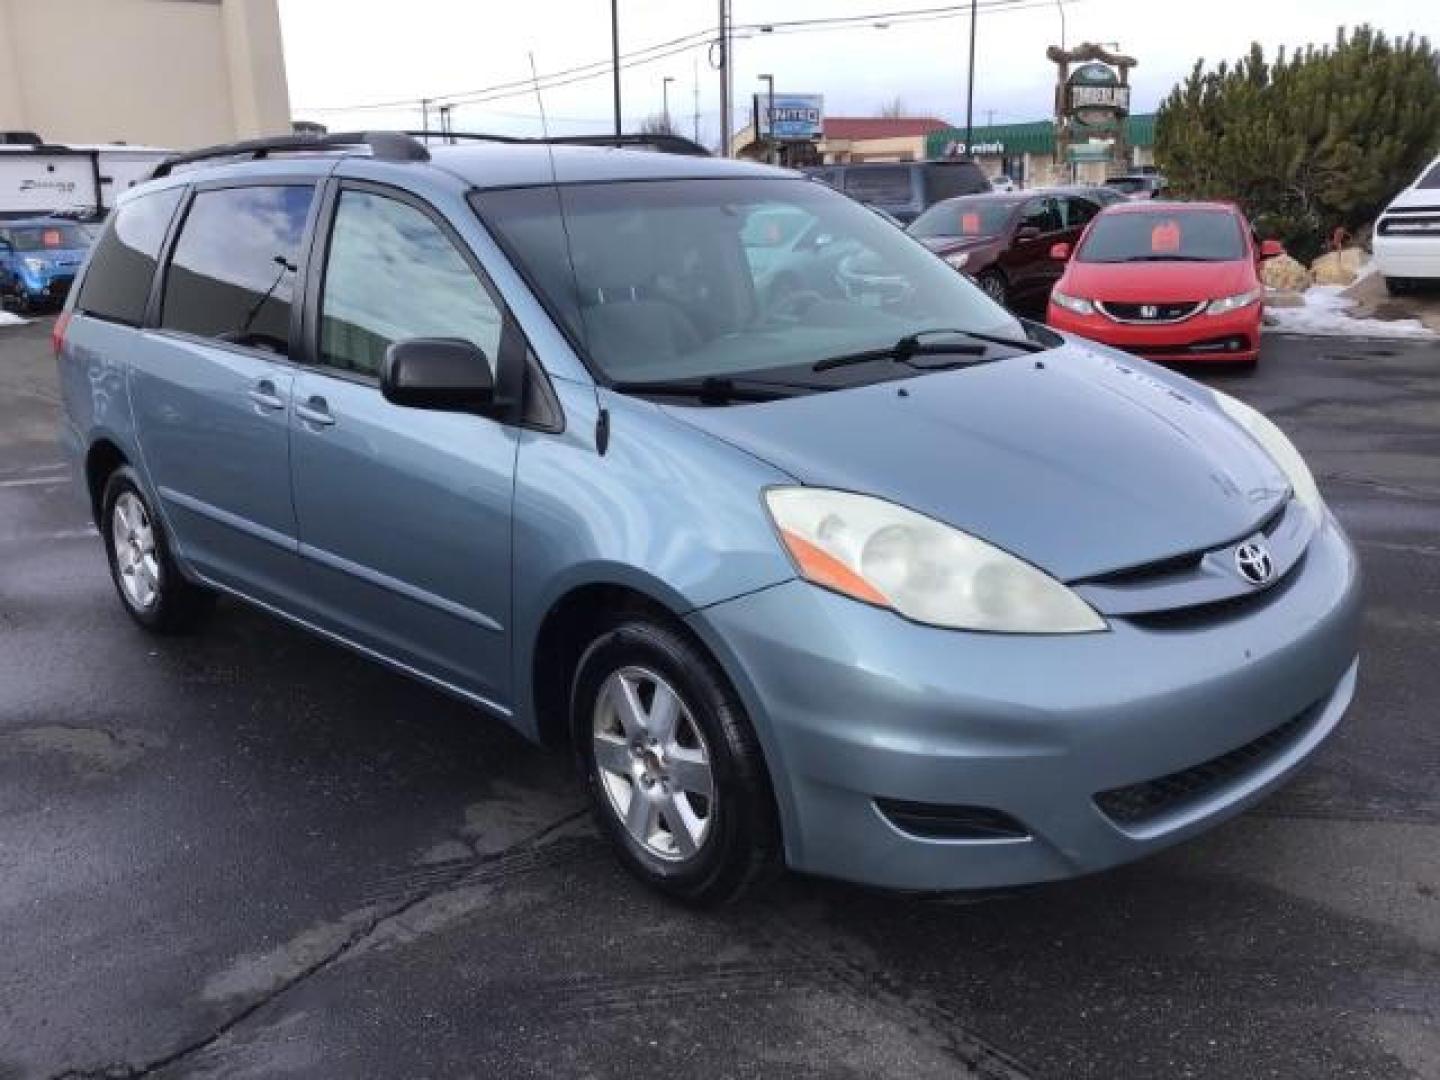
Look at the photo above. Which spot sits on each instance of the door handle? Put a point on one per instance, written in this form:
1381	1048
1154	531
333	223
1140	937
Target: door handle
265	396
315	411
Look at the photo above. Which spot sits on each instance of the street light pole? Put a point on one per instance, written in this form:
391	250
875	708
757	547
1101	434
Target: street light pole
665	98
724	78
1061	5
770	144
615	57
970	90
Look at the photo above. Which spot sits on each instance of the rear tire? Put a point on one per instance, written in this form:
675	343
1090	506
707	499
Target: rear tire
152	589
654	720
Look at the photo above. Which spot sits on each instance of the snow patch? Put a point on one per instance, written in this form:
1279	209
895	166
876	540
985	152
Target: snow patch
1324	315
9	318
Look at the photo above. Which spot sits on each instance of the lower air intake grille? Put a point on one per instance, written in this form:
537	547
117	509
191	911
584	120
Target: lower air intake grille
937	822
1138	804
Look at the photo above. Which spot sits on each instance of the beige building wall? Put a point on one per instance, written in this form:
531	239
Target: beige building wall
172	73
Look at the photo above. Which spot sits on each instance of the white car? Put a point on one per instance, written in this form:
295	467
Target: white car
1407	236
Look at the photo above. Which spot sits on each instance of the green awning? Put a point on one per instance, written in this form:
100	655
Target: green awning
1037	137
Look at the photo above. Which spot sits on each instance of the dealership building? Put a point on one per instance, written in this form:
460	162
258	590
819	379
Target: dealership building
176	73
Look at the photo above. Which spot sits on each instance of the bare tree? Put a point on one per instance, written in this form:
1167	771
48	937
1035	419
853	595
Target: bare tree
893	109
658	124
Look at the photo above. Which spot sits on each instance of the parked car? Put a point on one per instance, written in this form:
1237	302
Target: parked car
1166	280
1004	242
880	583
1138	186
39	258
903	189
1407	235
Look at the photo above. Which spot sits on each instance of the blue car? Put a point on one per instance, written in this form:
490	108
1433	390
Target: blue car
869	579
39	258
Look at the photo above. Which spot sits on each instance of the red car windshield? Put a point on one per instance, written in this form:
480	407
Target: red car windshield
1168	235
963	217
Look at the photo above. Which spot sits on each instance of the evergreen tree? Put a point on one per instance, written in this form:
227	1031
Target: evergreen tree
1317	140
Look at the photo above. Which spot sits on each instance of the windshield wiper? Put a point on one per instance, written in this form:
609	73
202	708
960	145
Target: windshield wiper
910	346
718	389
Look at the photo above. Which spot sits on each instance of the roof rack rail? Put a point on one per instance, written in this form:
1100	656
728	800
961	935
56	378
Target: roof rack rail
665	144
386	145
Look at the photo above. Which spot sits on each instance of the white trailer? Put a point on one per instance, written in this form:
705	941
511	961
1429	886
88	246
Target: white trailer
77	179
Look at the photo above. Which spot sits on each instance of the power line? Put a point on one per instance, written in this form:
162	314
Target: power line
685	43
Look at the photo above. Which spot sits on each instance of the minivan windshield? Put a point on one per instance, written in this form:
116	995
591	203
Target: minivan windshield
1167	235
975	216
669	280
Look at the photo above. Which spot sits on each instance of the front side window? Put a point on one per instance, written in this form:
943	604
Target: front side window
654	279
1164	236
1042	214
393	273
117	283
232	276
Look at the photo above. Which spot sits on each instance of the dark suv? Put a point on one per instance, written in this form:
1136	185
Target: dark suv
904	189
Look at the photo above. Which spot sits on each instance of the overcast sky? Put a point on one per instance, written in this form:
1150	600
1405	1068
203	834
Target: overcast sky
342	53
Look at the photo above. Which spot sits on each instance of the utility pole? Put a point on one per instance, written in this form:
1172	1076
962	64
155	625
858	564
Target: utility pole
770	144
989	117
970	90
695	94
665	99
615	58
725	78
424	115
1061	5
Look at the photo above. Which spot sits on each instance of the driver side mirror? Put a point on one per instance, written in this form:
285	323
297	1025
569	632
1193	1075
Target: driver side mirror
447	374
1060	252
1270	249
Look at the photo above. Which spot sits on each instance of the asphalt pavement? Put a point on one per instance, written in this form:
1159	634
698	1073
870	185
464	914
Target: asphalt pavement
250	853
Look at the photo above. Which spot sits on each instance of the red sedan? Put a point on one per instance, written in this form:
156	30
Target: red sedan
1165	280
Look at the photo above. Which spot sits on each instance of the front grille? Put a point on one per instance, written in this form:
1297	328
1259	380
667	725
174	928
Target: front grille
1158	312
1139	804
1410	225
936	822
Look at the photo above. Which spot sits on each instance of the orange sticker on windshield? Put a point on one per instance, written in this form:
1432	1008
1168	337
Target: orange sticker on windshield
970	224
1165	237
51	238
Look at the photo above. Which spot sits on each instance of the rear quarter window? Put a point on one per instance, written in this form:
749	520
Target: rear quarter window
117	282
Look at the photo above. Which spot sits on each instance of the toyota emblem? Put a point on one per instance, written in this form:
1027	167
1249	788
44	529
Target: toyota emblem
1149	311
1253	562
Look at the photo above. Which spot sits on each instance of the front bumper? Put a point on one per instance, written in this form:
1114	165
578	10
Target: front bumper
1407	256
854	704
1228	338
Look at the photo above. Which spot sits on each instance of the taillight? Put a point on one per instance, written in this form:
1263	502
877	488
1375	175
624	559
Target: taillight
57	332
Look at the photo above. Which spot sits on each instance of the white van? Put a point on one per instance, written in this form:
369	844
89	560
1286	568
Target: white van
1407	236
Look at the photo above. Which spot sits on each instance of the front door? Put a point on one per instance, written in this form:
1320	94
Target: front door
211	386
404	514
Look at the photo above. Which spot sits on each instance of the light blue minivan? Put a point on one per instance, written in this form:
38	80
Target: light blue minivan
846	569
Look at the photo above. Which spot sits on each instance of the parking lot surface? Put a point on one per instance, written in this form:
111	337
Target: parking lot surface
250	853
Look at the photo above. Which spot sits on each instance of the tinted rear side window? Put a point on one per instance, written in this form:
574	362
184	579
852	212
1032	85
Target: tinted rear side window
117	283
944	181
233	272
887	186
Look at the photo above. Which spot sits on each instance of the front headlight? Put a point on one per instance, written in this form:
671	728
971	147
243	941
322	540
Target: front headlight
1228	304
1278	445
1076	304
35	266
886	555
958	260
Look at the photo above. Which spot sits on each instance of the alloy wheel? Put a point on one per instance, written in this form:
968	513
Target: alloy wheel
654	764
133	538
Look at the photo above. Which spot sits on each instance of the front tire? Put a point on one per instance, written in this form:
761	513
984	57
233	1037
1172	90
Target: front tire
152	589
674	770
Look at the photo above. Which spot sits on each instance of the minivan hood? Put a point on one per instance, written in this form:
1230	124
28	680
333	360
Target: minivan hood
1074	459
